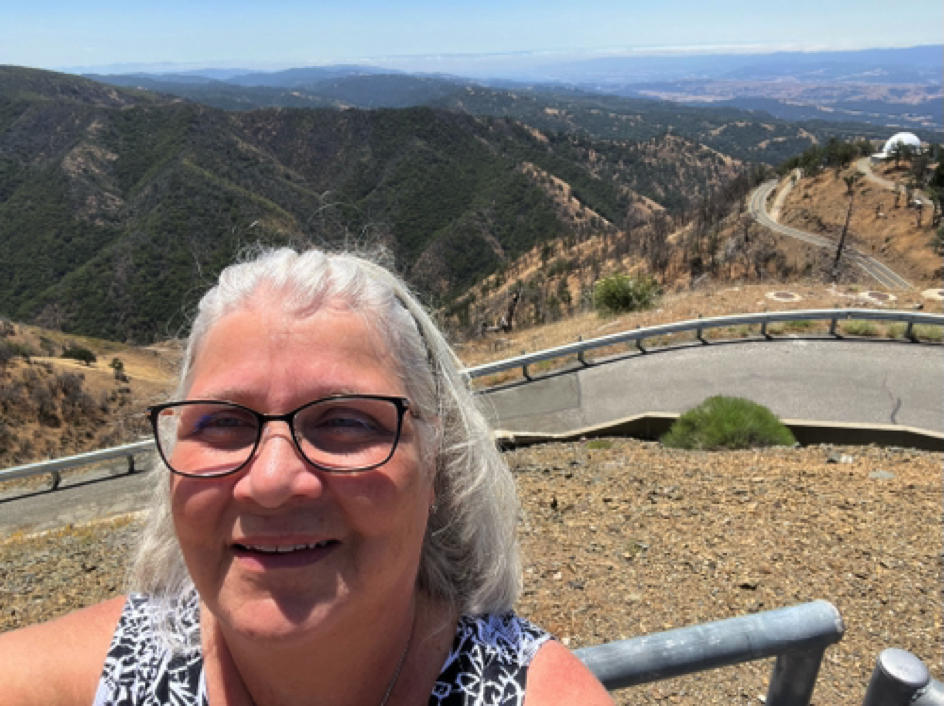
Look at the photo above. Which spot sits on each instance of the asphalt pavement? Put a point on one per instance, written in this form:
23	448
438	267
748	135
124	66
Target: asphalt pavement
850	381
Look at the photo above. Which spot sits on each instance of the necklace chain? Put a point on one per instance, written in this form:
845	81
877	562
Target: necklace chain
396	673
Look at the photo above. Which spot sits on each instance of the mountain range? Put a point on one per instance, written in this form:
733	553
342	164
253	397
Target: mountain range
118	206
892	87
120	203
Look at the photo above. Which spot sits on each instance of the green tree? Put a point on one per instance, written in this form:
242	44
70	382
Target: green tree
83	355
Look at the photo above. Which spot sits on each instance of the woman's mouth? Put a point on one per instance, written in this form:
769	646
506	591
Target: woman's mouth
282	548
282	555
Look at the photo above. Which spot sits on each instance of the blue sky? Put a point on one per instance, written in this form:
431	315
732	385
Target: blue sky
282	33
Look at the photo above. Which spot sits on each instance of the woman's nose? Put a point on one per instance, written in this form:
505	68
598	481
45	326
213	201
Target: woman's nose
277	471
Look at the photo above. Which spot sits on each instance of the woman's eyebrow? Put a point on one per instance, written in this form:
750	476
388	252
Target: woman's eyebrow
224	394
245	396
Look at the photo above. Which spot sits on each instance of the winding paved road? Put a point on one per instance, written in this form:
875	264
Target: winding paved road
882	274
852	381
848	381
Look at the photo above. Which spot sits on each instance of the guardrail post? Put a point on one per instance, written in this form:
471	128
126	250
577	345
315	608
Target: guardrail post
763	330
524	371
639	346
897	677
580	353
55	480
832	326
130	464
698	334
794	678
909	332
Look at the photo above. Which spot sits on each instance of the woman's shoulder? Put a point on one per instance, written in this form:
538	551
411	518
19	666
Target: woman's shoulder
556	676
58	662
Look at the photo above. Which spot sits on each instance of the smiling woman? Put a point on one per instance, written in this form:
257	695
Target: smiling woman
335	524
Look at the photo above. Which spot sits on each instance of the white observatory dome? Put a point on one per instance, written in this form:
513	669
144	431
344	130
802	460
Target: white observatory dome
906	138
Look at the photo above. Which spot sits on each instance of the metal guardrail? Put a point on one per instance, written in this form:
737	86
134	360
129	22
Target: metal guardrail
53	467
638	336
797	636
579	349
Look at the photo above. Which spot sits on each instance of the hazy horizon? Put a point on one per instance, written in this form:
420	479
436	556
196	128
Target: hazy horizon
421	35
471	64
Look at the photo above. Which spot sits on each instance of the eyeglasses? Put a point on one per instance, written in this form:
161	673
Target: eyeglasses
341	434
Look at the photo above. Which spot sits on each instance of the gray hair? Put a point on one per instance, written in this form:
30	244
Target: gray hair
470	554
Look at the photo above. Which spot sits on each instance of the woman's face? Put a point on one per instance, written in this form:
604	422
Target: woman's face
349	544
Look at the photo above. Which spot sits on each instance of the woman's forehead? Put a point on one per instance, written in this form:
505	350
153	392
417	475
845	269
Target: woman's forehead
257	348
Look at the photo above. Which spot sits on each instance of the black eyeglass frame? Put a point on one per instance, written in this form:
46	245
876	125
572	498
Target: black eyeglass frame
401	403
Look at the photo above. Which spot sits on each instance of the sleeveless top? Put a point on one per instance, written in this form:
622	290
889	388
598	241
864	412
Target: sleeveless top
487	663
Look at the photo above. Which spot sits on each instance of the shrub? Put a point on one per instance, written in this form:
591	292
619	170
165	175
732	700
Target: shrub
66	383
921	332
896	330
860	328
83	355
49	346
619	294
7	439
800	325
727	423
23	350
928	332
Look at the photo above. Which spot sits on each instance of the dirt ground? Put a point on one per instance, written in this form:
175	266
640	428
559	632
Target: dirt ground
881	225
624	538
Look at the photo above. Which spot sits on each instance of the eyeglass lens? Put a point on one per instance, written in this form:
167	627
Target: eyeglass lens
209	438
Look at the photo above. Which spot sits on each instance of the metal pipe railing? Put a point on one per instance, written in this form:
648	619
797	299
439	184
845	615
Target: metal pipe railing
797	636
901	679
637	336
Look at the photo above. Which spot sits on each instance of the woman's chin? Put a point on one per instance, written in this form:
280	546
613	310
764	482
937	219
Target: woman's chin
279	619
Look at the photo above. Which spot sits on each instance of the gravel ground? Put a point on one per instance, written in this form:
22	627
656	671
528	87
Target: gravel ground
624	538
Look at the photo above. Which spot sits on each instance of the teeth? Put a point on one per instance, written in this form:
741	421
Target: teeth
285	549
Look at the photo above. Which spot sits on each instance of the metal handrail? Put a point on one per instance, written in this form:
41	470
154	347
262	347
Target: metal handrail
797	636
637	336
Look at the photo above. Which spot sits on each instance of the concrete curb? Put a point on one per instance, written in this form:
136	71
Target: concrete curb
653	425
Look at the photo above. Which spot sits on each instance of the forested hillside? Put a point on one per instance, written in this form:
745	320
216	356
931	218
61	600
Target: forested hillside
118	207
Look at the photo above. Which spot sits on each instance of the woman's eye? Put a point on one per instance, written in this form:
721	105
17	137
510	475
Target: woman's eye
219	424
354	423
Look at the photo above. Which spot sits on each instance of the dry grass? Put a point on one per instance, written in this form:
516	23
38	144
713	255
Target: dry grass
704	302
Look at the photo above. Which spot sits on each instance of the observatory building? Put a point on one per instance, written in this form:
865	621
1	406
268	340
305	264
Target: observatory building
905	138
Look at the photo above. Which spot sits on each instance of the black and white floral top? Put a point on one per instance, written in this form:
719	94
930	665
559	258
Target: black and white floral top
487	664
